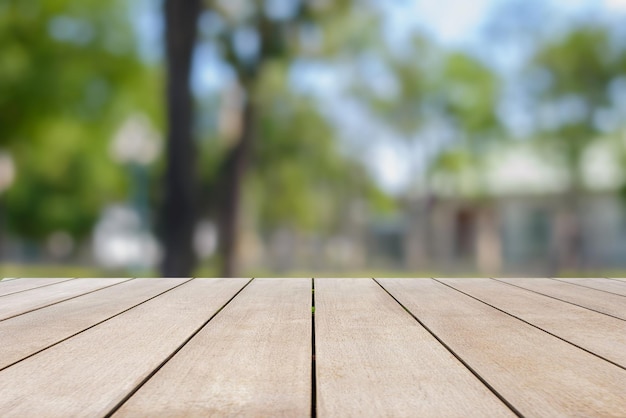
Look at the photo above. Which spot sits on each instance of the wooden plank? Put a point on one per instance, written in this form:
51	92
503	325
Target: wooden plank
607	285
19	303
537	373
26	334
374	359
597	300
596	332
252	359
92	372
8	287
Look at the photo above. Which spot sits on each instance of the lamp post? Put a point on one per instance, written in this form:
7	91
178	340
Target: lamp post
136	145
7	177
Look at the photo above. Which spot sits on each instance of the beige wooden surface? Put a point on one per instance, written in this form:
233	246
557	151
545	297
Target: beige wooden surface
607	285
19	285
373	359
18	303
241	347
589	298
252	359
26	334
537	373
601	334
90	374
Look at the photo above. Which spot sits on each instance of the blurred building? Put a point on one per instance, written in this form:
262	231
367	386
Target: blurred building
520	216
515	234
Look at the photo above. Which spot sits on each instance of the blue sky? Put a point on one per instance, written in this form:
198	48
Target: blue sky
455	22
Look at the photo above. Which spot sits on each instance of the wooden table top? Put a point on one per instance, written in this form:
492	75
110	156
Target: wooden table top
322	347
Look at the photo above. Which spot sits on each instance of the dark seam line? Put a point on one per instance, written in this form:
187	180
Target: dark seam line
562	300
313	364
535	326
168	358
38	287
614	279
451	351
94	325
65	300
586	287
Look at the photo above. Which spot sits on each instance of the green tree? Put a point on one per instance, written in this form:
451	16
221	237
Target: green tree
250	37
302	177
69	75
298	177
581	69
448	98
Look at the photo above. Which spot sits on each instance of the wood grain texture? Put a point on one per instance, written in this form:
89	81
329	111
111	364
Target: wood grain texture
18	303
90	373
596	332
253	359
589	298
8	287
538	374
374	359
26	334
607	285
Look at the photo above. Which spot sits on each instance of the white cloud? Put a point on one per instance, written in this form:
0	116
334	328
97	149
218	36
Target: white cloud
390	165
615	5
453	20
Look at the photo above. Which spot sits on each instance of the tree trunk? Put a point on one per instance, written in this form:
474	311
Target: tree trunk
178	210
3	233
488	242
570	240
231	186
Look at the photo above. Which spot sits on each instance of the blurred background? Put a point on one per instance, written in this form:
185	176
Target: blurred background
312	137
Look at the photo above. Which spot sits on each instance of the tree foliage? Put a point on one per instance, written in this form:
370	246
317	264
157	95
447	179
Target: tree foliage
302	176
581	68
447	98
69	76
258	42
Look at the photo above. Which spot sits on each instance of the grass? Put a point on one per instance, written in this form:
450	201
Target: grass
55	270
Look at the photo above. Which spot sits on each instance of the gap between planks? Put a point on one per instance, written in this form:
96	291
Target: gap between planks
557	378
177	350
41	297
19	285
584	297
374	358
599	341
614	287
87	382
25	331
252	359
454	353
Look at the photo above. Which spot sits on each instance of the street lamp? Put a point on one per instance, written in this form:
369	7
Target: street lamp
136	145
136	142
7	177
7	171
